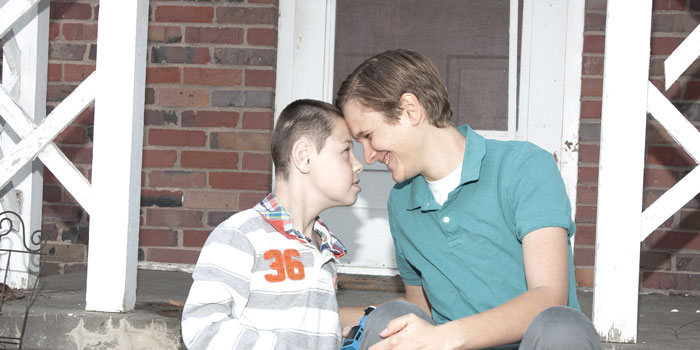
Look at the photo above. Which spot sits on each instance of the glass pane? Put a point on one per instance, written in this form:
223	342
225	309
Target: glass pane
467	41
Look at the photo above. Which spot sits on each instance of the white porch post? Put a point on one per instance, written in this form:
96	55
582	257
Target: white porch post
116	175
616	285
24	78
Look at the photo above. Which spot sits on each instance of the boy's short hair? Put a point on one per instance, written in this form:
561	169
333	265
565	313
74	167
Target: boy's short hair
302	118
379	82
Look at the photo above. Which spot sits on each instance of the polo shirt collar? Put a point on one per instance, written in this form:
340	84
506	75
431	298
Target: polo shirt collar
278	217
474	153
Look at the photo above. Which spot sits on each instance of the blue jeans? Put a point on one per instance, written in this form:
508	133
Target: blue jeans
558	327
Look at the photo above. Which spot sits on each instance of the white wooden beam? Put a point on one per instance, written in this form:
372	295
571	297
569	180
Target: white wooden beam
12	11
616	284
56	122
28	76
118	141
681	58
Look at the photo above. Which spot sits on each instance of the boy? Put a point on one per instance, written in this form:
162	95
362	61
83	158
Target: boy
266	276
481	227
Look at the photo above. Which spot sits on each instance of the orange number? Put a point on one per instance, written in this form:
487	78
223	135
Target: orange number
295	268
278	265
285	265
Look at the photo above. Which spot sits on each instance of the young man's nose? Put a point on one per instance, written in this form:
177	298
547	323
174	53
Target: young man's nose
370	154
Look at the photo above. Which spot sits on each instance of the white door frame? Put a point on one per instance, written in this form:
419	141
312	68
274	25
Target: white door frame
550	72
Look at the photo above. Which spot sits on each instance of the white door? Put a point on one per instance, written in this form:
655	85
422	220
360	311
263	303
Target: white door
506	64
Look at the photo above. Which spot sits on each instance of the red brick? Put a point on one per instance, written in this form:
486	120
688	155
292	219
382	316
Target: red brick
209	160
247	15
57	93
655	261
592	87
210	200
593	43
670	156
585	235
54	30
257	120
584	277
79	155
159	158
262	36
176	54
212	76
61	213
670	5
587	175
164	34
588	153
194	238
72	134
242	141
178	256
150	96
257	161
214	35
263	1
161	198
157	237
162	75
263	78
672	240
663	178
664	45
673	93
65	252
584	256
586	214
173	217
177	97
692	91
177	179
594	22
242	181
214	218
165	137
689	219
79	31
193	14
55	72
67	52
51	193
209	119
77	72
587	194
249	199
70	10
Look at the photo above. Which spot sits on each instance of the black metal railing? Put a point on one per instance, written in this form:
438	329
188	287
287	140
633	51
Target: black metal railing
37	243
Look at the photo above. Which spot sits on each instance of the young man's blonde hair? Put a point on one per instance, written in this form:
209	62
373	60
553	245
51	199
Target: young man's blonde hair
302	118
379	82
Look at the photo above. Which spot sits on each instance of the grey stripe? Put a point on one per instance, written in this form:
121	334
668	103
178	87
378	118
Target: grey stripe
291	340
312	298
230	237
213	273
246	339
307	259
206	310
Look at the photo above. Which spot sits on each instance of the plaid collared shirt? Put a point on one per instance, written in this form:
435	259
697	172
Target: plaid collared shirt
275	214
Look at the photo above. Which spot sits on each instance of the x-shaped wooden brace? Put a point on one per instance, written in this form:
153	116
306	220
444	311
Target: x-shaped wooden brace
681	130
37	140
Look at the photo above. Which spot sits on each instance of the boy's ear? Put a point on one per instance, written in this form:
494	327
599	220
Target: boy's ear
301	155
411	108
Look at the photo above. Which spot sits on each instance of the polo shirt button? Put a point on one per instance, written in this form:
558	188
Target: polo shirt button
446	219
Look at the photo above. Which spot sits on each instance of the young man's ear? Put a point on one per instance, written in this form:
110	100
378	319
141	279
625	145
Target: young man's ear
301	155
411	108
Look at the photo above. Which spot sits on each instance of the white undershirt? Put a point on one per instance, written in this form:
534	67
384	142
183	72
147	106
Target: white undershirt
442	188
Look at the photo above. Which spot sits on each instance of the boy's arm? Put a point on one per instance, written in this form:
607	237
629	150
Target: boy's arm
546	268
219	293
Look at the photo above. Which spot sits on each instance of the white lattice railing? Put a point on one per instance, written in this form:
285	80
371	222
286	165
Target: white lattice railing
627	98
117	87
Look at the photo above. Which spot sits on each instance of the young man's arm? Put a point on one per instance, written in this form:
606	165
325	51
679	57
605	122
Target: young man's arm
546	268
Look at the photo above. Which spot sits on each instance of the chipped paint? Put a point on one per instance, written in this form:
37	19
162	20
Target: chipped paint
124	336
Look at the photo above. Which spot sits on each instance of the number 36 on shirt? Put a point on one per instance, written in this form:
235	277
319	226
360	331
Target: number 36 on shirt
286	264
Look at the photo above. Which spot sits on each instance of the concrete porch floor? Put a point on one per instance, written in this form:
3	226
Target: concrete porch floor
58	320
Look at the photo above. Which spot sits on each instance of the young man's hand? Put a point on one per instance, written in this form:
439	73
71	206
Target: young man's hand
410	332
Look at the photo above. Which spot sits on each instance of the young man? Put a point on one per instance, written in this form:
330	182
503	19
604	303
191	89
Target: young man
480	226
265	278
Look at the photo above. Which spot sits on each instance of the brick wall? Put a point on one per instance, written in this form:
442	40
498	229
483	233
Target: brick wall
670	257
209	111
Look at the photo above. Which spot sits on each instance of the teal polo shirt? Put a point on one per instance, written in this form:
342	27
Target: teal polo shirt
467	254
